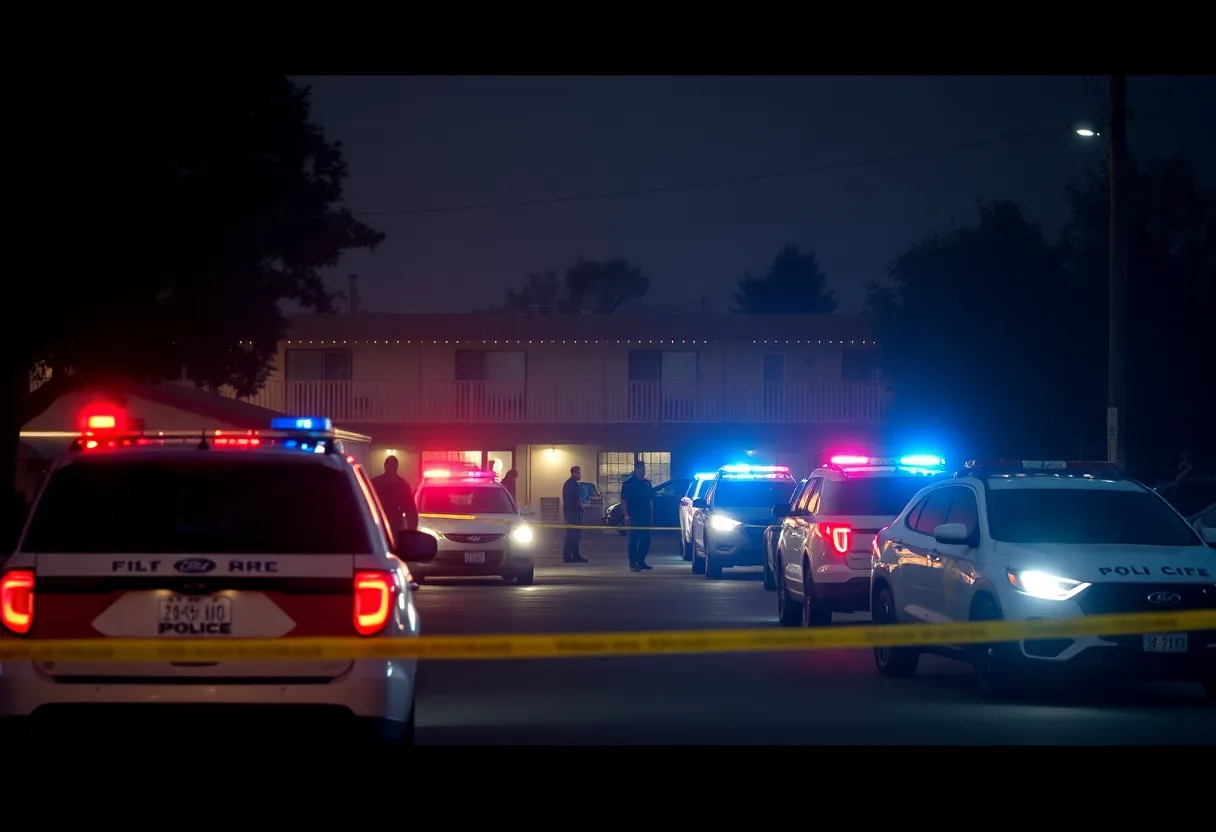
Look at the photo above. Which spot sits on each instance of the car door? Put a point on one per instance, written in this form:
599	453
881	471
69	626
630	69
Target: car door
912	587
952	567
698	518
667	503
772	535
794	533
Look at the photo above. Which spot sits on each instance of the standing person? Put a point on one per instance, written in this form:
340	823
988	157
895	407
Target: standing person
396	496
508	482
637	496
572	513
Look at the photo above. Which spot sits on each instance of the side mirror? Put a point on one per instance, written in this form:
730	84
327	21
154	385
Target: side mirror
952	534
418	547
700	504
781	510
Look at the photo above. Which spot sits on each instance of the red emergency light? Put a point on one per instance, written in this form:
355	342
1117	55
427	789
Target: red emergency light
446	474
101	416
849	459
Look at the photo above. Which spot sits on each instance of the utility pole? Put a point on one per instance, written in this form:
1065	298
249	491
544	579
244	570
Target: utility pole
1116	404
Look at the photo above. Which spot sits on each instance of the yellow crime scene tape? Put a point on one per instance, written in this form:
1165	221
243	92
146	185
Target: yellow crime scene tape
589	645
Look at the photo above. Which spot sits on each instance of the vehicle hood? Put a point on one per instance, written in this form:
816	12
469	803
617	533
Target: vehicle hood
484	524
748	515
1115	563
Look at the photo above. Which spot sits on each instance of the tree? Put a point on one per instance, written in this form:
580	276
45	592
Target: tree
599	287
197	206
793	285
1171	302
976	338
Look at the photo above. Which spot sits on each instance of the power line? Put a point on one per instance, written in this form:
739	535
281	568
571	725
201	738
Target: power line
712	183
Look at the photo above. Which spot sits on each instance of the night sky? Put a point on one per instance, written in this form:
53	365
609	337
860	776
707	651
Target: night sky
431	142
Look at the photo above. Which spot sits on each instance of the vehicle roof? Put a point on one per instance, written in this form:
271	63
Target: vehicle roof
837	474
462	481
153	454
1060	483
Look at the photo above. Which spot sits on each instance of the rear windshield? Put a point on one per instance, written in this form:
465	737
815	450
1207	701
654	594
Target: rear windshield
587	490
751	493
213	506
879	496
464	499
1090	515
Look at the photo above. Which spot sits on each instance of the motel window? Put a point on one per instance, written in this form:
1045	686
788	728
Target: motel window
317	365
491	365
617	466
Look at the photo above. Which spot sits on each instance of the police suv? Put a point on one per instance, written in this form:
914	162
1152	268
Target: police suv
215	535
821	556
1018	540
728	527
696	490
479	529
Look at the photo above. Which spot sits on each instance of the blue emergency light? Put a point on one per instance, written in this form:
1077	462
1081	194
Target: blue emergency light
310	423
704	476
922	461
757	472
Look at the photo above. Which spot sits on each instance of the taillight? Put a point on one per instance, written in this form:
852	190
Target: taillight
838	535
17	601
374	593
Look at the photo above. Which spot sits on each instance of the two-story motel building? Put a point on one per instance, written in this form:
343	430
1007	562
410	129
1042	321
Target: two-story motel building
542	393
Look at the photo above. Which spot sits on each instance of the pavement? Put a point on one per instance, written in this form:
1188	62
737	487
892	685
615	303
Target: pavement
816	697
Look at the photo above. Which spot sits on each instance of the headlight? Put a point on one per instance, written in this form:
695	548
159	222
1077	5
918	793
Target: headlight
1042	585
723	524
432	532
521	535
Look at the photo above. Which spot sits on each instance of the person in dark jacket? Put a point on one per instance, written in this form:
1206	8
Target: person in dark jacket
396	496
508	482
572	513
637	496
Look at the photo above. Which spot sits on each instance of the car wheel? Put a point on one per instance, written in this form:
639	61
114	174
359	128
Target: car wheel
769	583
698	562
789	611
814	613
997	671
526	577
685	549
892	662
713	568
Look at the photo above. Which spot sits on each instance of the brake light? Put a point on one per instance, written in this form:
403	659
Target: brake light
838	535
17	601
374	593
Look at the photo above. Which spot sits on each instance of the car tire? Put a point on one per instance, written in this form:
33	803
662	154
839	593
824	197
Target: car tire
892	662
713	568
698	562
789	611
814	613
685	549
527	576
769	583
997	672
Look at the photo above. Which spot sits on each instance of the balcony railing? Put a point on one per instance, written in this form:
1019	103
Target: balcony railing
550	402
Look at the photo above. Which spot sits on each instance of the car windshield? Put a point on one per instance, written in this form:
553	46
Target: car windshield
464	499
587	490
213	505
753	492
879	496
1085	516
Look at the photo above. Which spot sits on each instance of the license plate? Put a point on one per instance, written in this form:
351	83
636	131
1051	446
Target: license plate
474	557
194	616
1165	643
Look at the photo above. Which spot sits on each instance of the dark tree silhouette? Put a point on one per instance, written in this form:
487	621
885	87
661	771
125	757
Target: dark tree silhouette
595	286
197	206
977	332
793	285
1171	297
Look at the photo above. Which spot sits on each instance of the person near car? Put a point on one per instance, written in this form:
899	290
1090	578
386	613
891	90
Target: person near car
396	496
572	514
508	482
637	497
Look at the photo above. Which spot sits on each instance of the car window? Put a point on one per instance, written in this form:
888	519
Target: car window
810	499
373	501
884	496
935	510
796	497
210	505
965	510
750	493
914	515
587	490
671	488
464	499
1085	515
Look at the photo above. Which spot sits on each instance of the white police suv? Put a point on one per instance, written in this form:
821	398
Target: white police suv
479	529
214	535
696	490
728	528
1018	540
820	558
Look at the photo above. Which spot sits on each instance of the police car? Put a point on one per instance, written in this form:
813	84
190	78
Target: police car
1017	540
479	529
696	490
728	528
218	535
821	558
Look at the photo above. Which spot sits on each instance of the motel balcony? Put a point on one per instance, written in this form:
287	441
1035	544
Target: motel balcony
578	402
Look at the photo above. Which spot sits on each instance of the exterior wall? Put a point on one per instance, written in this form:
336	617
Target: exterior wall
549	467
62	415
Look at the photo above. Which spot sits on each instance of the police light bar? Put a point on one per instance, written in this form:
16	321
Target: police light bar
307	423
917	461
755	469
705	476
1072	466
447	474
849	459
922	461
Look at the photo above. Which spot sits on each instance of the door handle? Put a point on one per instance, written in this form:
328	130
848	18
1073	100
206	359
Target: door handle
935	556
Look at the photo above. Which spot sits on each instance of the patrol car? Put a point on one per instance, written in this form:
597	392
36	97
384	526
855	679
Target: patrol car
728	528
821	559
216	535
478	527
1024	539
696	489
